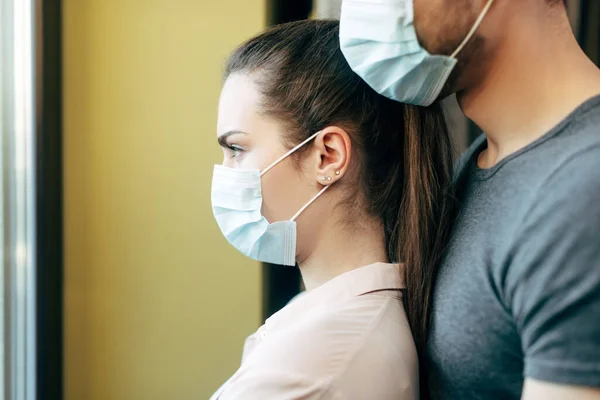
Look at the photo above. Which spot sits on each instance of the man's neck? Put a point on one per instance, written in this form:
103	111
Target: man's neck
537	76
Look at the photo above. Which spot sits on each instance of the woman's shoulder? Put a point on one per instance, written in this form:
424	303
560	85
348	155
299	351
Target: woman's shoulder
367	329
360	348
359	315
379	358
356	317
333	341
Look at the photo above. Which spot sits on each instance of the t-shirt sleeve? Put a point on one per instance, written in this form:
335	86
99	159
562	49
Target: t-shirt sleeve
552	279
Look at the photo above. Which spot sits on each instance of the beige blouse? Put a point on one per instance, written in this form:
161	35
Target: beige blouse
347	339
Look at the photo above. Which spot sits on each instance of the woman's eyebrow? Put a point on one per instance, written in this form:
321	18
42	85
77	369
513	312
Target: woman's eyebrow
222	139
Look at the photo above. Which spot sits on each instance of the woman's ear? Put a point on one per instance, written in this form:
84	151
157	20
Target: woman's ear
333	152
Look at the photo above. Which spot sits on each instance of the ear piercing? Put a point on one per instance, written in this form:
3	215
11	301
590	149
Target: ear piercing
328	178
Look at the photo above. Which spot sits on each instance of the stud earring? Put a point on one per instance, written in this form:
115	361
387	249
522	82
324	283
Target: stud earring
329	179
337	172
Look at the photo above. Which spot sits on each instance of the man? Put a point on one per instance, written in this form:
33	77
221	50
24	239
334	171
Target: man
516	310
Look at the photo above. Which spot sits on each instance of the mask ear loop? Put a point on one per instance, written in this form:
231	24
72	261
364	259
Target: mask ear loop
309	203
473	29
286	155
283	157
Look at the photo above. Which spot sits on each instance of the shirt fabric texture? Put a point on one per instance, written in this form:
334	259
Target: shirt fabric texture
347	339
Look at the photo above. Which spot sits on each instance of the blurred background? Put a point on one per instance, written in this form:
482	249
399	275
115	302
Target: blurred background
117	283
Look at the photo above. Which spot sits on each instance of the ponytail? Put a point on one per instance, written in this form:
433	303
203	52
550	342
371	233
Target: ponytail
426	213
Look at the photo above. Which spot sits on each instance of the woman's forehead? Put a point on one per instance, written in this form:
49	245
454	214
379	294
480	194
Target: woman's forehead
238	104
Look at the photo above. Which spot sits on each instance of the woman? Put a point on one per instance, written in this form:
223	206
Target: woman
321	171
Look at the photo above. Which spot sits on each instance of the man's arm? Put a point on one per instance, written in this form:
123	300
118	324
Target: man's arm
551	285
539	390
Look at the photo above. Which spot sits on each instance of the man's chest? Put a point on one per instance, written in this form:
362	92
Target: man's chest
474	347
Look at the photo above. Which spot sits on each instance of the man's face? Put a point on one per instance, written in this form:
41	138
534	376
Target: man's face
441	27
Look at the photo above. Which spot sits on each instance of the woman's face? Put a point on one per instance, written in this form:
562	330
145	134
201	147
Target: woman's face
252	141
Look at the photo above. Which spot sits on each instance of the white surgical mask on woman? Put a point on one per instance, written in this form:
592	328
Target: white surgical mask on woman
237	202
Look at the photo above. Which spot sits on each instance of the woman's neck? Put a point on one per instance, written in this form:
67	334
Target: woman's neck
341	248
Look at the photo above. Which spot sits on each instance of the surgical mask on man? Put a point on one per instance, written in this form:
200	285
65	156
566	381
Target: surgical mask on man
379	40
237	202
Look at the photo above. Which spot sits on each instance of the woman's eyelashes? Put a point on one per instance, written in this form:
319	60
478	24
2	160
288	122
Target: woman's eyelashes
229	142
235	150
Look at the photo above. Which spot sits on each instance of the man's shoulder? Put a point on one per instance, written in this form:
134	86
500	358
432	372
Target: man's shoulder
573	181
570	159
580	135
577	135
584	122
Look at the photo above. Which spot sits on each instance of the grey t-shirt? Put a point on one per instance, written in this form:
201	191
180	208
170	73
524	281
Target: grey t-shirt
518	294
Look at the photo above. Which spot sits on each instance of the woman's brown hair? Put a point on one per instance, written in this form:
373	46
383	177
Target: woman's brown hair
404	151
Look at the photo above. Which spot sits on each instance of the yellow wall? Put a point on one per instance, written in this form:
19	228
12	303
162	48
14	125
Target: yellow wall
157	304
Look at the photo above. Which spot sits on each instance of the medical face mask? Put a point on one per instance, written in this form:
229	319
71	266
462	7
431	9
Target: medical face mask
379	40
237	203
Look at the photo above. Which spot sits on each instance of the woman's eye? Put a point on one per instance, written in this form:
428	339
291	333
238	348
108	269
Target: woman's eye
235	150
